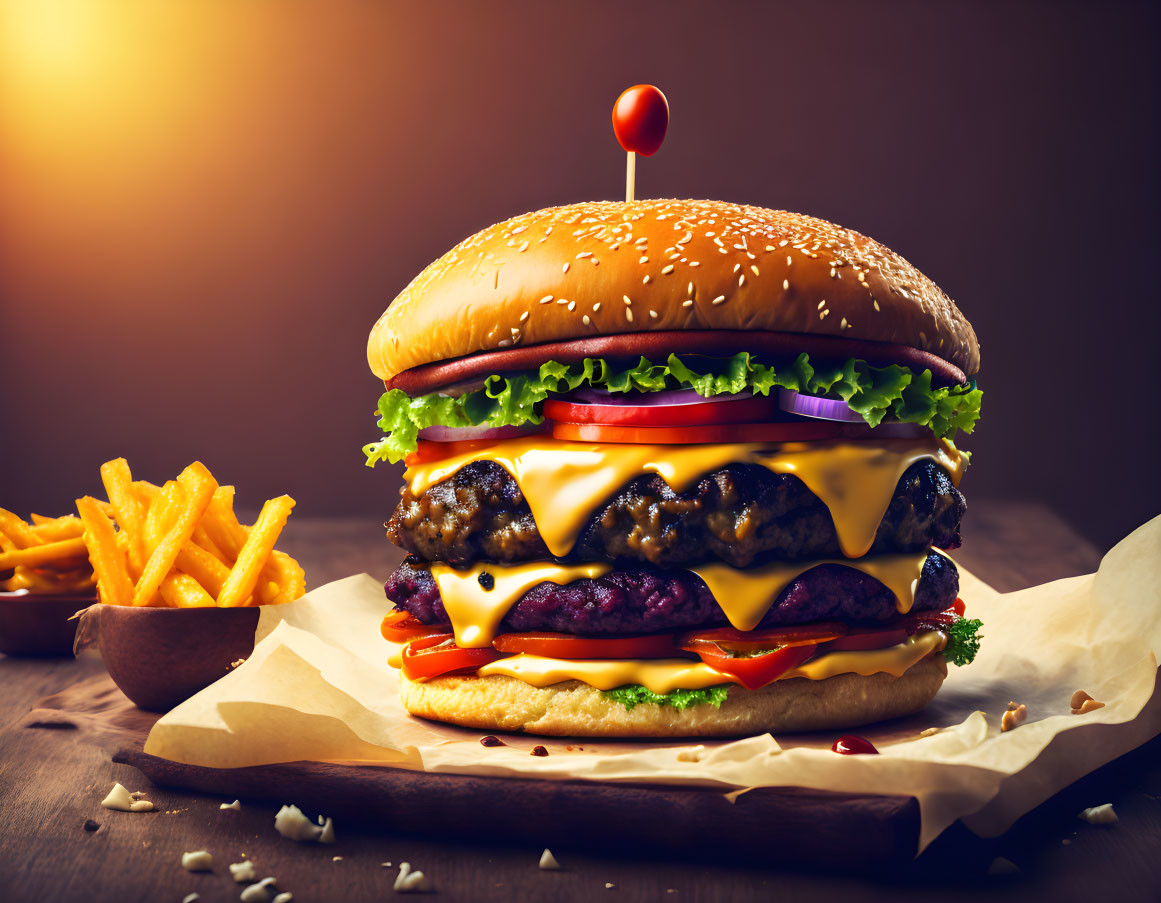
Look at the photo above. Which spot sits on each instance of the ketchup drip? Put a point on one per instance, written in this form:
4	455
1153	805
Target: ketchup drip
850	745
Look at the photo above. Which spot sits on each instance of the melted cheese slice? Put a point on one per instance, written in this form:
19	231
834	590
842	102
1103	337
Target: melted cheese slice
746	596
476	612
564	482
659	675
666	675
743	596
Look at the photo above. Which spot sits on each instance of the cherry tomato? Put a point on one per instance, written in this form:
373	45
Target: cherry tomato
563	645
400	626
686	435
698	414
431	656
640	118
755	672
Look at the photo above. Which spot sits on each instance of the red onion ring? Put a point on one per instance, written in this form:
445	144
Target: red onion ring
468	433
817	408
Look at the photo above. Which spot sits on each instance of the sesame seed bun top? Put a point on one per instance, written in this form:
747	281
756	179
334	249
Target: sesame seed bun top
610	268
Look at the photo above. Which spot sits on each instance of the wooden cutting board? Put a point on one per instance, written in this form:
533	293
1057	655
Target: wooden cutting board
775	825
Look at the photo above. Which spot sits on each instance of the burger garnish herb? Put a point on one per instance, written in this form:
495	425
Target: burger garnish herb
634	695
893	393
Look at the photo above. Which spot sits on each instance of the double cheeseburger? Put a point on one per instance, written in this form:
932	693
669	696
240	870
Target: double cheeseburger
674	468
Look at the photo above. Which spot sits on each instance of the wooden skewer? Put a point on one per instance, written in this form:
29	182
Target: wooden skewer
630	176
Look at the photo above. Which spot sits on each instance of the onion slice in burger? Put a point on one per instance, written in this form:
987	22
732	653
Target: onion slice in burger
439	433
679	408
818	408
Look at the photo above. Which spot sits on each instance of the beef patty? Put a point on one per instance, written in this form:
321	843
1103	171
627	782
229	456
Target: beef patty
742	514
646	600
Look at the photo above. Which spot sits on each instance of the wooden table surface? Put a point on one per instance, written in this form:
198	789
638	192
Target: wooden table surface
52	780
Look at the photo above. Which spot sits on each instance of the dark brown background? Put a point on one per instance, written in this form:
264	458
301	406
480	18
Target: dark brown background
205	206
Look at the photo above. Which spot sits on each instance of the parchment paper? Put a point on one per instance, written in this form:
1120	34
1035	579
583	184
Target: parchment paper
318	687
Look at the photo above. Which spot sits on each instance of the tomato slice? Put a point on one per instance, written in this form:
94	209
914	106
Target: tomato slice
432	656
765	638
743	410
564	645
760	670
688	435
399	626
427	451
869	639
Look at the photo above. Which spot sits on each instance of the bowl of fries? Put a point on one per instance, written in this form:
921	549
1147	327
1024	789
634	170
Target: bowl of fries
180	580
45	578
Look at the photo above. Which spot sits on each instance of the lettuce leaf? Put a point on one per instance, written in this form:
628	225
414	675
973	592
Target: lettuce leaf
877	393
632	695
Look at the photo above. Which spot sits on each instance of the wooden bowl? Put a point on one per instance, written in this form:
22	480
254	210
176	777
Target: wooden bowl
38	624
160	657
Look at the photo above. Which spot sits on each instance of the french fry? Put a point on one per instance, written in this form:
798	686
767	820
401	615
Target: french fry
44	554
255	552
40	520
230	536
58	528
17	530
202	539
129	511
200	486
184	591
203	566
108	560
292	578
221	525
170	498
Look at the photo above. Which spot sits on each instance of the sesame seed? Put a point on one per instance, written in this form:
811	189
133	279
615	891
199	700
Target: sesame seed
688	303
783	243
645	281
737	266
585	319
643	259
754	269
614	246
641	240
595	261
822	304
876	303
548	231
562	300
695	263
688	236
628	315
627	299
583	254
547	299
523	247
572	305
785	284
719	300
769	247
523	317
564	269
666	270
832	272
689	288
789	260
653	314
596	307
518	230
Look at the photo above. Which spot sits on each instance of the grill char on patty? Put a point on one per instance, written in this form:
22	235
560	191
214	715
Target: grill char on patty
741	514
644	600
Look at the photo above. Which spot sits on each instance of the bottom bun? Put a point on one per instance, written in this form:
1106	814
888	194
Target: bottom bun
575	709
